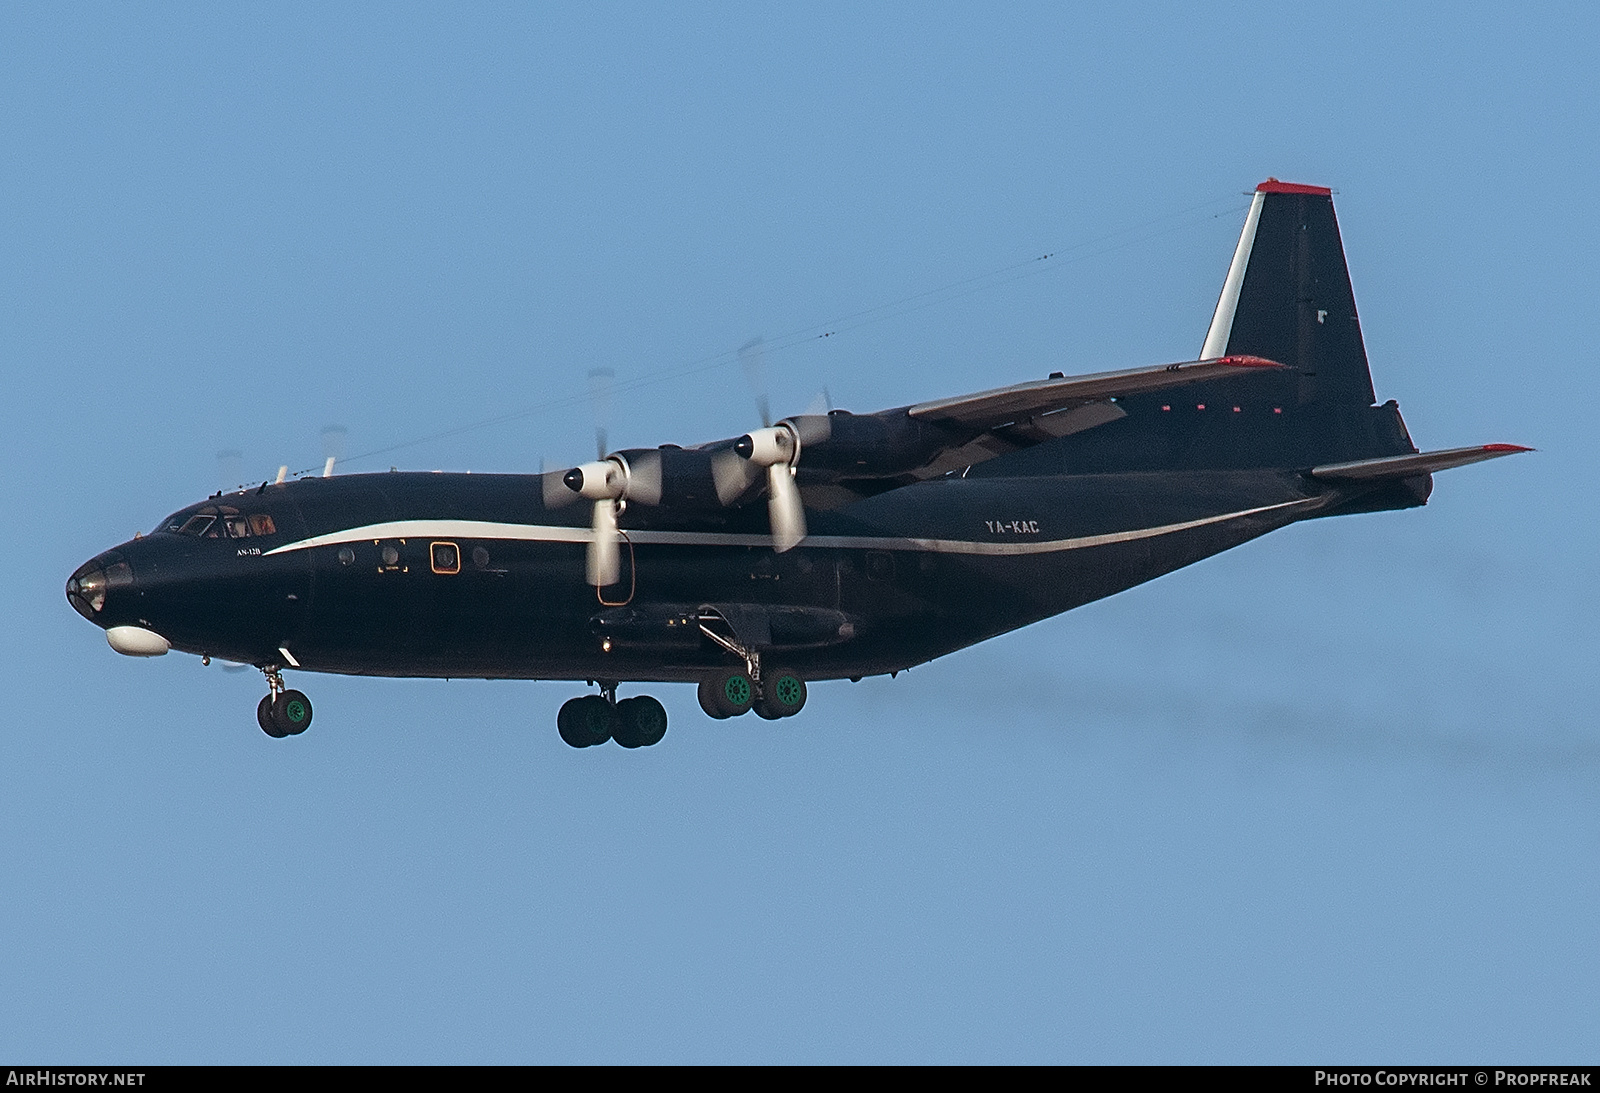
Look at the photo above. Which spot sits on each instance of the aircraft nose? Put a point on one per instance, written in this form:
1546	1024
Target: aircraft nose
96	581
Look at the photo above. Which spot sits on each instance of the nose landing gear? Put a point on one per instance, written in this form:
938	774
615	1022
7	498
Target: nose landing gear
635	722
283	712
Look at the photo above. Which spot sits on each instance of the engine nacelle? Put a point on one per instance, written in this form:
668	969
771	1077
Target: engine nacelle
680	478
870	445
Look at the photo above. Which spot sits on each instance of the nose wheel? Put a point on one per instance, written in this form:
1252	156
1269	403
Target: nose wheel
637	722
284	711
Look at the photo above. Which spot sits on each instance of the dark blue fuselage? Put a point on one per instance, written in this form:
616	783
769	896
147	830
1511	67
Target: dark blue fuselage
468	575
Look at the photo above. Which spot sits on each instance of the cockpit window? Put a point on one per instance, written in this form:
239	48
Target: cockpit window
220	522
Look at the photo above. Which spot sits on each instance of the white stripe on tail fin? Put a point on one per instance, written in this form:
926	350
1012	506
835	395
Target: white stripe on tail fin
1216	344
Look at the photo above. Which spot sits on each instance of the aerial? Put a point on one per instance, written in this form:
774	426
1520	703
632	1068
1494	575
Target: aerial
1301	784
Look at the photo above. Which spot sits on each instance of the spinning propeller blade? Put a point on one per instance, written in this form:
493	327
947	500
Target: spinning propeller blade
601	382
230	469
752	359
333	441
733	475
777	448
554	491
784	509
604	482
603	560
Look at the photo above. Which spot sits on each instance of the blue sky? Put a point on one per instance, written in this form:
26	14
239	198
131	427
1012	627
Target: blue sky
1329	797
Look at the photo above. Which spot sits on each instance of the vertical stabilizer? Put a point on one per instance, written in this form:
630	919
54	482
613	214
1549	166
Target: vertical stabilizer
1287	297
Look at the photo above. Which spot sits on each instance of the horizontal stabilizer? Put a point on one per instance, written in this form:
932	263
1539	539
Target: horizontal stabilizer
987	409
1407	466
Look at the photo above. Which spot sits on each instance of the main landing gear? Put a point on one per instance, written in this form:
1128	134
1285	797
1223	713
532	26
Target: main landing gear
283	712
636	722
771	692
774	693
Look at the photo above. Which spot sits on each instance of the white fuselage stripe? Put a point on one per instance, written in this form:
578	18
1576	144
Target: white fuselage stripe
551	533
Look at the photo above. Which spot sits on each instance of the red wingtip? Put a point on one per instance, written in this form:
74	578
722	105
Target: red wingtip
1249	362
1273	186
1505	448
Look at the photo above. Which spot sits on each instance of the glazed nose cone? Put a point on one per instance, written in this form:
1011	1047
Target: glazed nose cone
96	583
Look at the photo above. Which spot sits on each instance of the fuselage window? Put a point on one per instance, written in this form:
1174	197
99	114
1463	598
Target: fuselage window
237	527
261	524
446	558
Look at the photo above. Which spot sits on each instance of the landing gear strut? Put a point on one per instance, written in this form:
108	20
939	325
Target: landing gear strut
283	712
593	719
771	692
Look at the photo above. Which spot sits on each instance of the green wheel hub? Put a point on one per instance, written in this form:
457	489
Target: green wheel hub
291	713
783	693
788	689
737	690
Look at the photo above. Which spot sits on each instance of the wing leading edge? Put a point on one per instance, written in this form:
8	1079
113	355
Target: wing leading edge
1406	466
1021	401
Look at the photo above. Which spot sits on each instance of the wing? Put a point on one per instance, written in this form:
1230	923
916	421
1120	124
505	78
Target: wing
848	456
1041	398
838	458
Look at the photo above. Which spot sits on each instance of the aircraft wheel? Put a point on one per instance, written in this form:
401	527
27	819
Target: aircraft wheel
641	722
783	693
264	718
708	698
586	721
292	713
730	692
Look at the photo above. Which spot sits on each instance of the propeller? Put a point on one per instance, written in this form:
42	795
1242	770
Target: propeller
333	441
753	360
777	448
552	483
613	479
601	383
604	482
556	494
230	468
